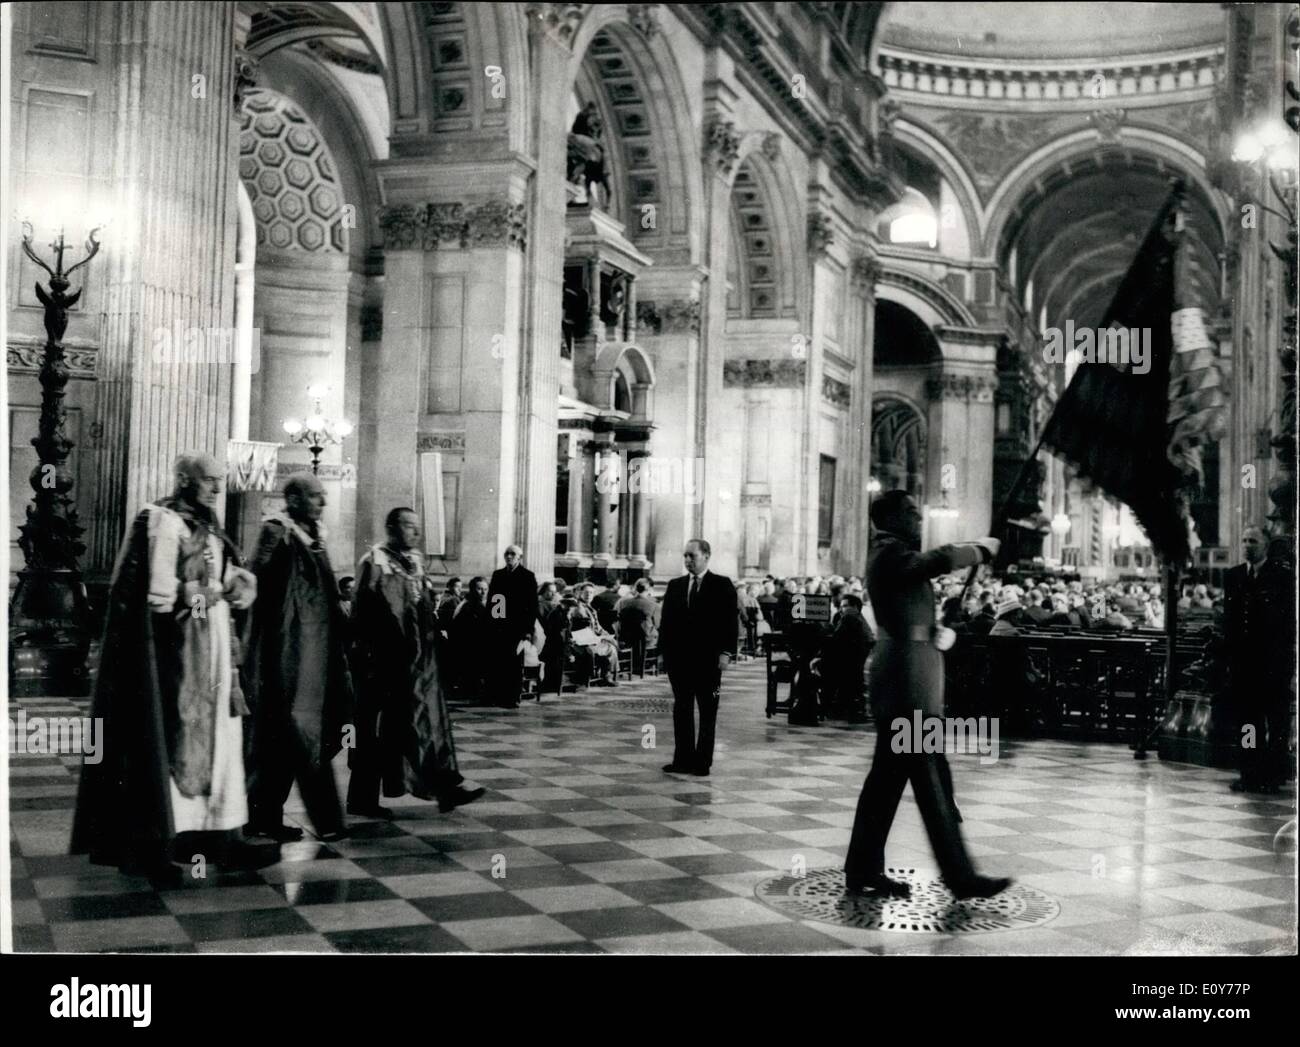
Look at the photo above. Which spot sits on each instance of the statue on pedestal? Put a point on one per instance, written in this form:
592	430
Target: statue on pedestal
587	166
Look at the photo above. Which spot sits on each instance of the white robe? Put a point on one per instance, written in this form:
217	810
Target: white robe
226	805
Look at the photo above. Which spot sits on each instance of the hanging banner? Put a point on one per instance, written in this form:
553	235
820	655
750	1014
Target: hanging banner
435	529
251	465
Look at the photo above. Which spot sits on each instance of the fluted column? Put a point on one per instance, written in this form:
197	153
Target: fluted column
581	520
171	259
606	501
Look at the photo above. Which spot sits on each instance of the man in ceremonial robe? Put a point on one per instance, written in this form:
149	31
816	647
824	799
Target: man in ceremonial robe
404	739
167	693
906	677
298	684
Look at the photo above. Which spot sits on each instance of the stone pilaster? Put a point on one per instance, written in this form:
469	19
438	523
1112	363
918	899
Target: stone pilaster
552	27
863	273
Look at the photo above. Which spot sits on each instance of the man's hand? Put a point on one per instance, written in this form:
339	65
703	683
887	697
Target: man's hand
990	546
724	660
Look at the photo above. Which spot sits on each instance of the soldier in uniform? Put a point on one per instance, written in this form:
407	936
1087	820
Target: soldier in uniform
906	675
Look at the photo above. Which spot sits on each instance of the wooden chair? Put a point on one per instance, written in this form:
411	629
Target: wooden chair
780	669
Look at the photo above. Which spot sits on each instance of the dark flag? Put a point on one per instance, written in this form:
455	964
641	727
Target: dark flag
1135	434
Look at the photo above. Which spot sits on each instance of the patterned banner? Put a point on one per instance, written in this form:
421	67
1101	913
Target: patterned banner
1196	398
251	465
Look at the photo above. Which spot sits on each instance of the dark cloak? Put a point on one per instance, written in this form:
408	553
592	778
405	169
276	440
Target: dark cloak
398	660
297	607
123	815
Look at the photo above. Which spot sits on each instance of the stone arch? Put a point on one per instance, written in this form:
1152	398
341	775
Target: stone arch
763	276
436	74
633	365
291	178
931	301
658	156
780	200
898	444
327	104
1081	145
923	141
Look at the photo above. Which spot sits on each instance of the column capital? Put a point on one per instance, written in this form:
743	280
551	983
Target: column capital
866	269
245	79
431	226
721	144
820	234
559	22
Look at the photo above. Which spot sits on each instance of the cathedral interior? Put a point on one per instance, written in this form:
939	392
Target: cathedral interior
598	279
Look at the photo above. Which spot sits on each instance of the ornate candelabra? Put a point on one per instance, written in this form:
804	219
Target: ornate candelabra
317	431
49	613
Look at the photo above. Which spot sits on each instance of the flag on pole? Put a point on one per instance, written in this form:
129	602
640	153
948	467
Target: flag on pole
1134	428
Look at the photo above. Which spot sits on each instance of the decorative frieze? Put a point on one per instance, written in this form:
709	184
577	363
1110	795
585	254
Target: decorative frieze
1131	77
962	387
428	227
27	359
452	440
758	500
674	316
344	473
778	374
721	145
836	392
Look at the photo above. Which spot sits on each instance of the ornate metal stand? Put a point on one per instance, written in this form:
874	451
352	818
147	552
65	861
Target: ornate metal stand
49	616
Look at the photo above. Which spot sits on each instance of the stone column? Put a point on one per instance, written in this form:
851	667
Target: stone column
864	273
584	517
819	239
640	510
169	260
607	488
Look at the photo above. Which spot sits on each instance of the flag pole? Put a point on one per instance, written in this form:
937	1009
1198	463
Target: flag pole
1000	517
1144	736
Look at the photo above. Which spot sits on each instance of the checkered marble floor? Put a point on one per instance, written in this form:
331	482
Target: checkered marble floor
582	844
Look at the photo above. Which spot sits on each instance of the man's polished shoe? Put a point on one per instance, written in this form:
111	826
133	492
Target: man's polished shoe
458	797
700	772
981	887
334	835
278	833
382	814
881	886
672	768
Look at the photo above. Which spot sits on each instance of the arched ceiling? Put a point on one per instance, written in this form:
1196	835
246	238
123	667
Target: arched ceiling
1050	30
1077	230
902	339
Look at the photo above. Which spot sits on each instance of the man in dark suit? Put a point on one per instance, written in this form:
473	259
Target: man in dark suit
1241	635
697	641
843	658
907	675
512	604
